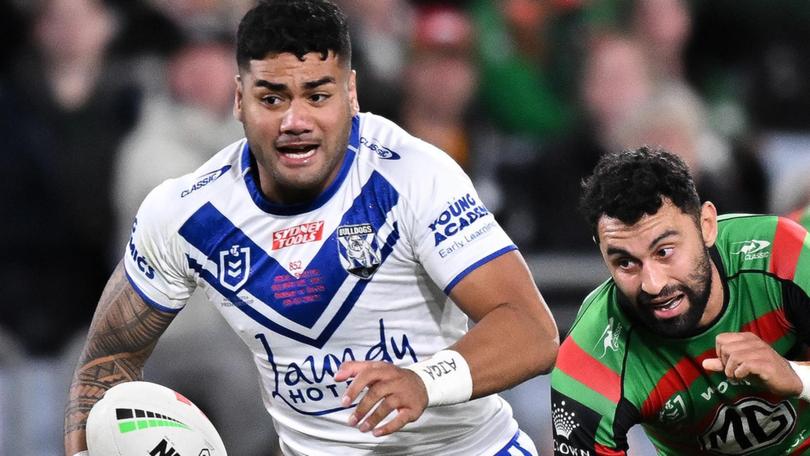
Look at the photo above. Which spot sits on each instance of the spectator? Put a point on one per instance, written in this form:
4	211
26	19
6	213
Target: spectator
63	110
524	72
440	81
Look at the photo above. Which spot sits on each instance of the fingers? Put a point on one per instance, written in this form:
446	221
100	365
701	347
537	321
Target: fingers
387	389
713	364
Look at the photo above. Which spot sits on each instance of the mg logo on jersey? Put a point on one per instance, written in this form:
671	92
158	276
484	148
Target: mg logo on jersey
751	250
747	426
234	267
358	249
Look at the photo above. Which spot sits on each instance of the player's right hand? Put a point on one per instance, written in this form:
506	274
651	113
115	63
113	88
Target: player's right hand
389	388
744	356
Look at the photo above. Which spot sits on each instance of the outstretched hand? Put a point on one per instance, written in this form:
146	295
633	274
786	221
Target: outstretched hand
744	356
389	387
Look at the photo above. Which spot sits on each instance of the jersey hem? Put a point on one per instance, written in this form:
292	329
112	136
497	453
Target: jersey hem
149	301
475	266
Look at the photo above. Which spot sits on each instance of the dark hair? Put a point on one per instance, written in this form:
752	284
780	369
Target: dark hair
628	184
295	26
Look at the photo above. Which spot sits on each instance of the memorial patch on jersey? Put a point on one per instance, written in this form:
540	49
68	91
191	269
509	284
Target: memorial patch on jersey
299	234
748	425
234	267
359	250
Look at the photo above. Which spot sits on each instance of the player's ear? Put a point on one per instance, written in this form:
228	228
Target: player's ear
237	101
708	223
353	93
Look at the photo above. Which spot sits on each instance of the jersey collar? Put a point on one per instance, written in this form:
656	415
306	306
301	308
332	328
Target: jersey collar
293	209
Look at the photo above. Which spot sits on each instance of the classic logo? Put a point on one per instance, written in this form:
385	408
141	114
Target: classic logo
299	234
358	249
381	151
459	214
747	426
204	180
610	338
751	250
140	260
234	267
674	410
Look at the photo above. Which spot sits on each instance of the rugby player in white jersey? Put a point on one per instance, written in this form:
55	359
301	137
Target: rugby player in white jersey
348	256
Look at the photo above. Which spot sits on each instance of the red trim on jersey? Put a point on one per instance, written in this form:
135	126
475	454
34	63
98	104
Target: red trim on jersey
677	378
602	450
770	327
580	365
787	246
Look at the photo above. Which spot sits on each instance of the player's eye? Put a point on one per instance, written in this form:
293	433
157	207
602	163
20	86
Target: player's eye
271	99
664	252
625	263
318	97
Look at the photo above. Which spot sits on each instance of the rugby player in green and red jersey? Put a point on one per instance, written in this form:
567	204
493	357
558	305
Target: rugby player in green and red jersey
692	334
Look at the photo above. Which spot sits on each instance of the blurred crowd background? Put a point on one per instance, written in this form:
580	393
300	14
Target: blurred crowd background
101	100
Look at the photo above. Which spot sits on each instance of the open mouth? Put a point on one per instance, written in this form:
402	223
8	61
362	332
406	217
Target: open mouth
668	308
298	152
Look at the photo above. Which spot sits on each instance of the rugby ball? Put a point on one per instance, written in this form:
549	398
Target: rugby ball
143	418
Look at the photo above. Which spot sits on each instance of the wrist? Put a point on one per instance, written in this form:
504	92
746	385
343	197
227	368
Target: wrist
446	376
803	371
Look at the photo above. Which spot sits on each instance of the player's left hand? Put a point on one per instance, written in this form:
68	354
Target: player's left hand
744	356
392	387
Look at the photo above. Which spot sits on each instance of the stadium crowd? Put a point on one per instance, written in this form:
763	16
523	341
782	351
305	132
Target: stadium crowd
101	100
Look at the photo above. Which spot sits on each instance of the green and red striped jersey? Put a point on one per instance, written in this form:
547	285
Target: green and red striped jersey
612	372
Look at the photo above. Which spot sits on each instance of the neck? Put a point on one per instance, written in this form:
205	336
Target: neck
716	299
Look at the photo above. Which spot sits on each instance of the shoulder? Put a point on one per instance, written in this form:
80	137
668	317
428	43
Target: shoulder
172	200
766	243
400	156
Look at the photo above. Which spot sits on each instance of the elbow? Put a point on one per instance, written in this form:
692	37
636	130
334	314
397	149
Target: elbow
547	355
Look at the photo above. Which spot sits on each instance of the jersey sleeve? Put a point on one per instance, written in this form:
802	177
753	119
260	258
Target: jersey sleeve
453	233
790	262
154	260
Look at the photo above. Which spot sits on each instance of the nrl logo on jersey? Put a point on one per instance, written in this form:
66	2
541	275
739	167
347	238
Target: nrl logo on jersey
234	267
358	249
674	410
751	250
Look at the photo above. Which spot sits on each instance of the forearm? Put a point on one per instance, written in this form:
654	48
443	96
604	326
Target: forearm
122	335
507	347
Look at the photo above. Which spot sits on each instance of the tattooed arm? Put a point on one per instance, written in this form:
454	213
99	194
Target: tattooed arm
122	335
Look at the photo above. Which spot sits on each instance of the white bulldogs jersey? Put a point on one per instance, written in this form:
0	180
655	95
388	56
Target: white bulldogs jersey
361	273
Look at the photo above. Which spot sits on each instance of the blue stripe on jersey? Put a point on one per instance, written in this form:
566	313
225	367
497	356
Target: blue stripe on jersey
152	303
475	266
514	445
294	209
211	232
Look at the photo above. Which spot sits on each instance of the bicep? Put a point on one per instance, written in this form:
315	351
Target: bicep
501	281
124	326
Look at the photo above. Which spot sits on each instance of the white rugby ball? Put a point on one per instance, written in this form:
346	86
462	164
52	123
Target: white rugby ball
143	418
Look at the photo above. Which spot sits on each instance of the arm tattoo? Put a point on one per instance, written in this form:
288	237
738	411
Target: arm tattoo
122	335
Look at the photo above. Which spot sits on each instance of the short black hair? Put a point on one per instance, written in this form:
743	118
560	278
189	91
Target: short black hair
295	26
627	185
